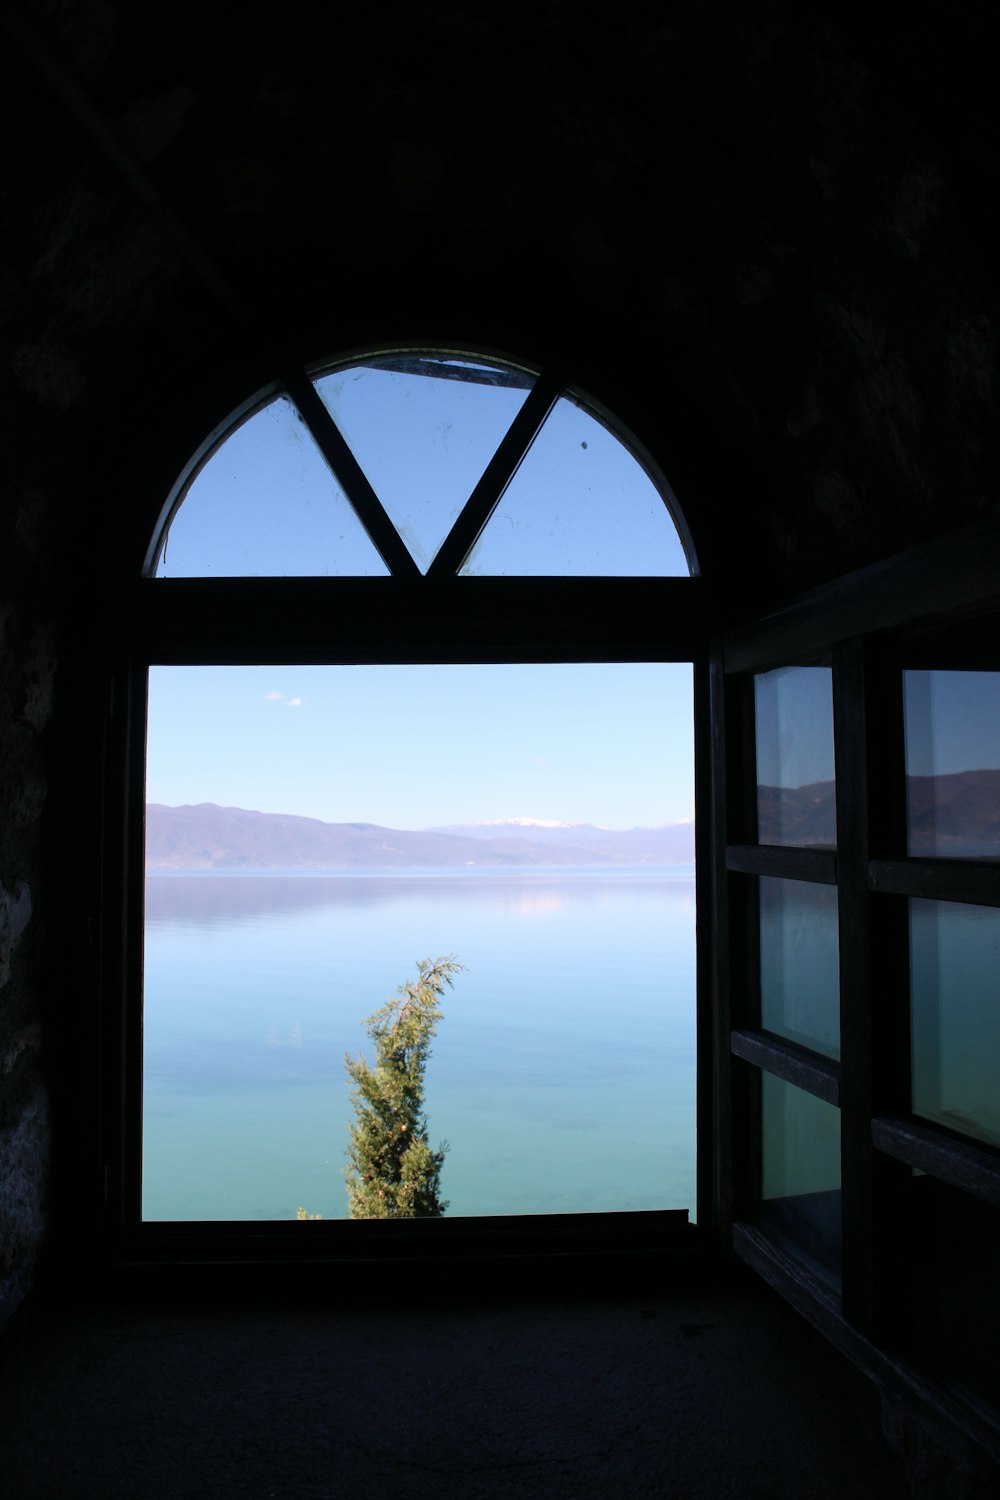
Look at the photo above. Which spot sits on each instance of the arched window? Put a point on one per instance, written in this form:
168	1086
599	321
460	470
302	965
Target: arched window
422	463
415	578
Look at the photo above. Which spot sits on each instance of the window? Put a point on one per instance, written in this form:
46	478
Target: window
786	997
858	977
427	464
404	517
365	836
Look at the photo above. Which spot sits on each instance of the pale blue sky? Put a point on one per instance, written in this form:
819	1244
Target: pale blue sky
952	722
794	713
415	746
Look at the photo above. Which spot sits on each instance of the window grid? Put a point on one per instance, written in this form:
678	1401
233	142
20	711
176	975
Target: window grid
883	1144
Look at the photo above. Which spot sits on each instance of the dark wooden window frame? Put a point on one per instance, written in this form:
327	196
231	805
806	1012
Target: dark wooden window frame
404	618
937	606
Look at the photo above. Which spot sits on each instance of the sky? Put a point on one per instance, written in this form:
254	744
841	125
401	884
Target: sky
422	746
952	722
794	717
412	747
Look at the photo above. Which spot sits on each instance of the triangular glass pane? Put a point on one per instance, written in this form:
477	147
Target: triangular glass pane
266	505
423	428
579	505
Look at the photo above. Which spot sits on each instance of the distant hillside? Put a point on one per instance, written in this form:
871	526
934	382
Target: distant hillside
957	814
804	815
672	844
208	837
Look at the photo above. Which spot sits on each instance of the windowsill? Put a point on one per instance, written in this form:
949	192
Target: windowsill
350	1238
579	1255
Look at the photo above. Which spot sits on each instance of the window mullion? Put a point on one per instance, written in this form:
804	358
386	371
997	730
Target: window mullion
499	471
937	880
736	946
394	619
783	863
721	951
787	1060
873	1044
850	701
348	472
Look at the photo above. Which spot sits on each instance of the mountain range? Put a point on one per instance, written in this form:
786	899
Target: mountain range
207	837
957	814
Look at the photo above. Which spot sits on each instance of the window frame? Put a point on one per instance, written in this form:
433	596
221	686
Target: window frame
935	606
404	618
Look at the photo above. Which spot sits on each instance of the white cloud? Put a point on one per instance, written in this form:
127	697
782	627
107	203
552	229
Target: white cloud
273	697
295	703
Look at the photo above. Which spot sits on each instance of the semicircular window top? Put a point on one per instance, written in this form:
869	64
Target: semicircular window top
421	463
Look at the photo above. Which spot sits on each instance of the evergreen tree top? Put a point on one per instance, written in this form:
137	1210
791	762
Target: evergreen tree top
392	1173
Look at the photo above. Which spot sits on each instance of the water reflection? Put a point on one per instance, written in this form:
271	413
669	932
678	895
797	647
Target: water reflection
800	963
225	900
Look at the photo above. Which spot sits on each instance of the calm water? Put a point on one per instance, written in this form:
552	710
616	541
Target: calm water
563	1073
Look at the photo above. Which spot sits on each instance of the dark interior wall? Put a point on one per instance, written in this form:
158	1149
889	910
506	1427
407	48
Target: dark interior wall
759	237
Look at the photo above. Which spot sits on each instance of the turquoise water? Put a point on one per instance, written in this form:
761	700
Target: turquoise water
562	1076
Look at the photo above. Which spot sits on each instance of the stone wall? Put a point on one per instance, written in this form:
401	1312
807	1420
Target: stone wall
27	671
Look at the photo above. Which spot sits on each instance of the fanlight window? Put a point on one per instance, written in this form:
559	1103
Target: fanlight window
421	463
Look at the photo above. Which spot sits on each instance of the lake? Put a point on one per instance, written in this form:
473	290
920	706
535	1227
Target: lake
562	1074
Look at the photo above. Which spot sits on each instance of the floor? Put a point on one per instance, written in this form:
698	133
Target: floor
727	1394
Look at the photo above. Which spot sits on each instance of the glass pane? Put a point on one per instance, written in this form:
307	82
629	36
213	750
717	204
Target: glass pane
953	763
266	505
800	963
956	1289
292	887
579	504
796	801
801	1172
955	1015
423	428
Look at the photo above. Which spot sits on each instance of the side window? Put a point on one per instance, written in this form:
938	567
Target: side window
407	703
860	978
787	1004
951	723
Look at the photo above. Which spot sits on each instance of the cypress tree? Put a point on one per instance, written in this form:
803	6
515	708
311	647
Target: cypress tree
392	1173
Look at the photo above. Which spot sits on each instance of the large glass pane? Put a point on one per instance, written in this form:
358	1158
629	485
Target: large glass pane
800	1194
956	1313
953	763
579	504
796	802
266	505
955	1015
423	428
291	888
800	963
